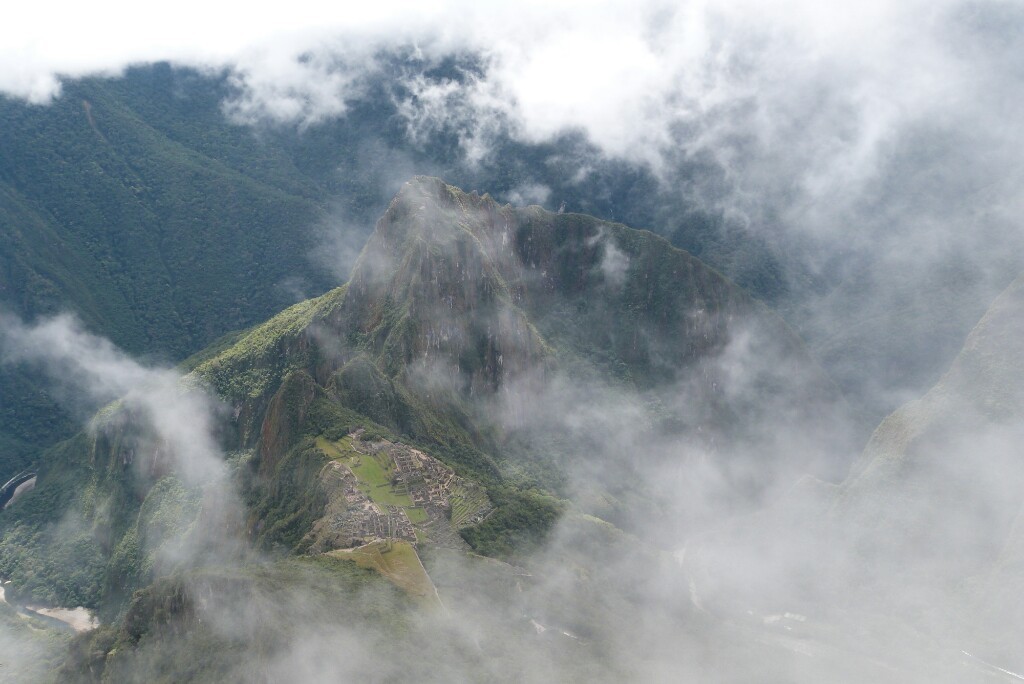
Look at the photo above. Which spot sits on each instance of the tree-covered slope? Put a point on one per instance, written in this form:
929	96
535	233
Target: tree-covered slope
159	239
138	204
158	243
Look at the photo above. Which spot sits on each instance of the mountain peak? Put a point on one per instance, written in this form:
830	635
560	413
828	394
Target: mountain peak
420	192
438	278
483	292
425	188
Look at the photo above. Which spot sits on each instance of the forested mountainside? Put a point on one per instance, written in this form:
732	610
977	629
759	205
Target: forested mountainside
139	205
421	410
157	238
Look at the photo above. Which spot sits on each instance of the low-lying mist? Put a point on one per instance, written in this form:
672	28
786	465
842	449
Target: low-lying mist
746	512
724	561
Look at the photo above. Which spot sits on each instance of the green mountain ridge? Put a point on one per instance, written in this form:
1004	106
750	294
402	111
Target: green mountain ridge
458	311
135	203
515	445
149	240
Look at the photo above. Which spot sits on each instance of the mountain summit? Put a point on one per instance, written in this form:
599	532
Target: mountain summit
489	377
459	277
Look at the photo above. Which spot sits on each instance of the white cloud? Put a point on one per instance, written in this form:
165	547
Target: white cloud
794	99
866	133
86	369
529	193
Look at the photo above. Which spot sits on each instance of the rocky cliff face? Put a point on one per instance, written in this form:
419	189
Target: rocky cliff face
440	284
455	296
491	291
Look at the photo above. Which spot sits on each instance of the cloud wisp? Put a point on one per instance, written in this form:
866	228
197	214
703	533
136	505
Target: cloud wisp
89	371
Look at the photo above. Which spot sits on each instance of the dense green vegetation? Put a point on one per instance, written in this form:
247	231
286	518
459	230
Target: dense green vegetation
520	524
348	359
135	203
154	241
288	500
55	563
246	365
139	224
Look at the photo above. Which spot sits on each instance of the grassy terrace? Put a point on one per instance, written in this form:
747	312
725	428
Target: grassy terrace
465	502
416	515
374	473
397	561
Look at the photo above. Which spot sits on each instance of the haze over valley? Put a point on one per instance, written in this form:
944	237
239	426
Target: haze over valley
547	342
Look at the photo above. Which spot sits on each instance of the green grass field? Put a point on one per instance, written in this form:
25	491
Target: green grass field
416	515
397	561
340	450
374	474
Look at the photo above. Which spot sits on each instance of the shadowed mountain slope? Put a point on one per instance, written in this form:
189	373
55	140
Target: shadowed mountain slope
159	239
922	541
